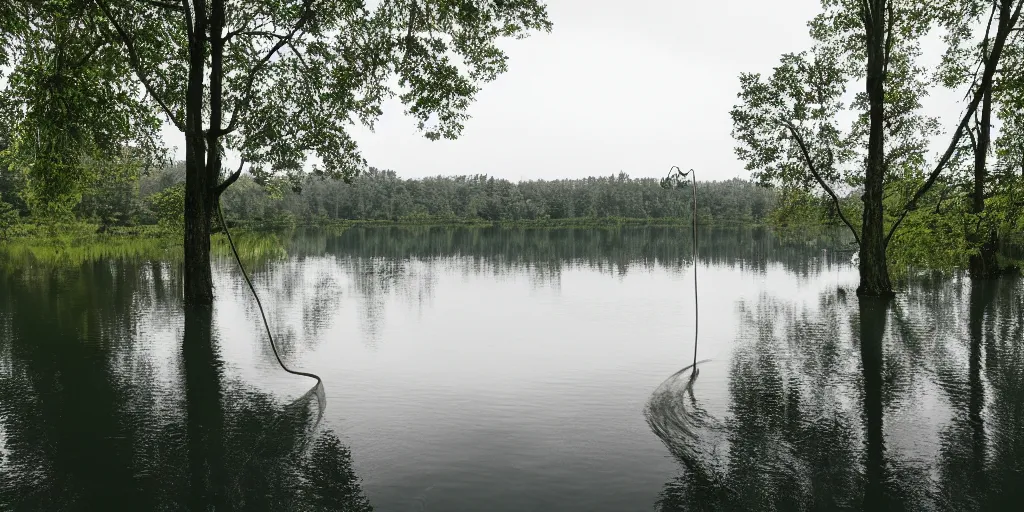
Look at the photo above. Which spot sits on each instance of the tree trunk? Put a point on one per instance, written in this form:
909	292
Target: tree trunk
198	187
874	271
983	265
198	216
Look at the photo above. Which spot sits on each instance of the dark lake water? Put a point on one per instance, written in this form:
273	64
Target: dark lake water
506	370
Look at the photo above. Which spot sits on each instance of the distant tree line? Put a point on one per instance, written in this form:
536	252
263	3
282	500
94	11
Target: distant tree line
157	196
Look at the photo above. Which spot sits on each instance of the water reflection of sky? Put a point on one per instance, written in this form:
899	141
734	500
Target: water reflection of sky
514	372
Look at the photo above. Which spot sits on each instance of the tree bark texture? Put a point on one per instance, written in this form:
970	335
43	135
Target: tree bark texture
874	271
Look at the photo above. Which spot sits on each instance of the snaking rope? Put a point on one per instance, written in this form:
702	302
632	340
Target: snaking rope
693	215
318	389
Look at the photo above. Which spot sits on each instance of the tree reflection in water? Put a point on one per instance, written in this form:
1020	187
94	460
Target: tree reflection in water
89	424
809	394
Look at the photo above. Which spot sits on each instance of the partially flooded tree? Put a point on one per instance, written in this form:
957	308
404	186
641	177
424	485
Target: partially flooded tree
280	81
989	64
277	82
791	130
789	125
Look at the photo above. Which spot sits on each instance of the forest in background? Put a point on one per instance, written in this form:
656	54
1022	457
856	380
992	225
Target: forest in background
157	198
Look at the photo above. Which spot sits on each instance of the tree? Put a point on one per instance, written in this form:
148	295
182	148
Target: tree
788	126
980	64
68	115
279	81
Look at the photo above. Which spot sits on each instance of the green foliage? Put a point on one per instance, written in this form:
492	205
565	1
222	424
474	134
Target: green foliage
787	122
940	233
383	196
169	206
71	115
8	219
934	237
71	245
803	126
296	73
798	208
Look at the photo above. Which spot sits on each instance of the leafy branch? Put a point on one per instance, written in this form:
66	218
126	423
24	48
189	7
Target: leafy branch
809	162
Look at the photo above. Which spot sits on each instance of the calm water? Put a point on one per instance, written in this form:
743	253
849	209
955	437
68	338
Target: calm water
470	370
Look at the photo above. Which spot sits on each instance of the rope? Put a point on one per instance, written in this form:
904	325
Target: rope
220	214
696	302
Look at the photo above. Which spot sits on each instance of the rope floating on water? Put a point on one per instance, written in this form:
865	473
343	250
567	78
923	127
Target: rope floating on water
319	381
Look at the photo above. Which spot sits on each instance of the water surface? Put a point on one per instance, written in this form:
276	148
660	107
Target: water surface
506	370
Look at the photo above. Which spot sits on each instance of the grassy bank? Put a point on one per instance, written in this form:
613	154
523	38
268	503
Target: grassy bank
84	231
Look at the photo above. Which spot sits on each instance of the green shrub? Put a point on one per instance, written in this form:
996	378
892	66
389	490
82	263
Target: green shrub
8	219
168	206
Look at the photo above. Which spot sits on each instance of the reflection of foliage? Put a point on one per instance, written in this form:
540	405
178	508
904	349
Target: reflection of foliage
617	250
86	418
793	439
279	465
785	445
328	483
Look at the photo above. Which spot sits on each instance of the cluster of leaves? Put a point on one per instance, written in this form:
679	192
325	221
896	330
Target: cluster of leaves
168	206
70	116
8	218
295	74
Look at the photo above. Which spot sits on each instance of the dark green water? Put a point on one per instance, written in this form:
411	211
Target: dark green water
470	370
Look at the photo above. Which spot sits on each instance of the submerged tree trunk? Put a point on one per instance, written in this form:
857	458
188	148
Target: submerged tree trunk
204	428
198	216
873	316
985	264
874	271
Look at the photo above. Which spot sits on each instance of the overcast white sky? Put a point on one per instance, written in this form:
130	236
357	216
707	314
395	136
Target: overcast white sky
634	86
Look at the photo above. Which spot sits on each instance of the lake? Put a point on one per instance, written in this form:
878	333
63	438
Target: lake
506	370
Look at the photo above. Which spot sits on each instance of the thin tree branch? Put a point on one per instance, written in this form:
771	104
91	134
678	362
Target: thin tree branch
88	54
984	49
136	64
942	197
164	5
817	176
889	39
408	36
186	10
298	54
247	95
233	177
261	33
